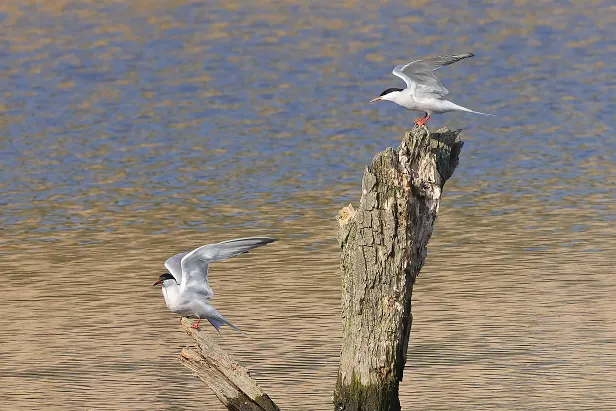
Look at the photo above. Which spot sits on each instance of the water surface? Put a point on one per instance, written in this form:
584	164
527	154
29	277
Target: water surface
130	131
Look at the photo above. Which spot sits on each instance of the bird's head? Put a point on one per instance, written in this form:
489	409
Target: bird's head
165	280
389	94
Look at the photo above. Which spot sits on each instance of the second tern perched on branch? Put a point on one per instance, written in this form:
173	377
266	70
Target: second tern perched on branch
424	92
185	286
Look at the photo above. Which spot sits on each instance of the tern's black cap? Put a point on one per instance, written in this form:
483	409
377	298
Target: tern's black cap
389	90
166	276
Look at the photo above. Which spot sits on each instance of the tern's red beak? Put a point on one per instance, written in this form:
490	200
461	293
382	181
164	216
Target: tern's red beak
157	283
375	99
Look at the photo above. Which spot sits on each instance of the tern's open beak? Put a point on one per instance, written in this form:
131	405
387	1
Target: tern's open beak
375	99
157	283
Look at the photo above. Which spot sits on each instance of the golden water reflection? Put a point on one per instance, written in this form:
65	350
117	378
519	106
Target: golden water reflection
133	131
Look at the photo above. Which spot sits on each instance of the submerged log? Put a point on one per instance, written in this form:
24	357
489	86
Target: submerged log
383	248
231	382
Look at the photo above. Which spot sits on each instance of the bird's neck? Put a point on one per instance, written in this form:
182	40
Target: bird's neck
171	293
406	95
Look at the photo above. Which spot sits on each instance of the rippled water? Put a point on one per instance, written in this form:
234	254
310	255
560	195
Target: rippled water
130	131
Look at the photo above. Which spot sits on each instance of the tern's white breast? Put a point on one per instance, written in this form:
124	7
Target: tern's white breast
406	100
171	294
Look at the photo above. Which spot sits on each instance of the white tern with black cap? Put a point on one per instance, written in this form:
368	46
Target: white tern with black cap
424	92
185	286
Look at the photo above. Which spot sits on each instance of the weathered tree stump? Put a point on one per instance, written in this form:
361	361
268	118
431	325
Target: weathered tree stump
231	382
383	248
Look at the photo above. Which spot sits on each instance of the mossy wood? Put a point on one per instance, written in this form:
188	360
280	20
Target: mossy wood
383	248
231	382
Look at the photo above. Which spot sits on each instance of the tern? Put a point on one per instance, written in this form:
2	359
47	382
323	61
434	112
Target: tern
185	286
424	92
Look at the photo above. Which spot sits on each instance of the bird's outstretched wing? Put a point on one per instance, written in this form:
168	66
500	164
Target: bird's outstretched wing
174	265
195	264
419	75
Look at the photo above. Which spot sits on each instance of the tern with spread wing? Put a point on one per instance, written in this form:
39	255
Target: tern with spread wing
424	92
185	286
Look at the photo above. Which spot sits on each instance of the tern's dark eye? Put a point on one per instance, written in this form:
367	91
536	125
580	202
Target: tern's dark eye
389	90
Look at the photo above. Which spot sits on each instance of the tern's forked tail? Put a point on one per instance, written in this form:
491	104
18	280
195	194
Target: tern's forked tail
456	107
219	321
483	114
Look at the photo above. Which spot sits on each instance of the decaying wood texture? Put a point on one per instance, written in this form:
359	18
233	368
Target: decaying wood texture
231	382
383	248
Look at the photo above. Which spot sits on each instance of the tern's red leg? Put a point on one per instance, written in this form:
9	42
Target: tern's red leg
195	326
423	120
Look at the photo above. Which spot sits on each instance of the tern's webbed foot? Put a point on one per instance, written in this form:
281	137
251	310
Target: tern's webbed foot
422	121
196	325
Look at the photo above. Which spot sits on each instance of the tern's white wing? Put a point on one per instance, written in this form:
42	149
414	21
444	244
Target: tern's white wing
419	75
195	264
174	265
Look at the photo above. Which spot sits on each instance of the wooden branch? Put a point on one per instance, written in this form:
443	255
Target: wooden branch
231	382
383	248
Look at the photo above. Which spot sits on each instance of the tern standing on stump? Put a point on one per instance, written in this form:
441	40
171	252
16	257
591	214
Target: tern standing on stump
424	92
185	286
